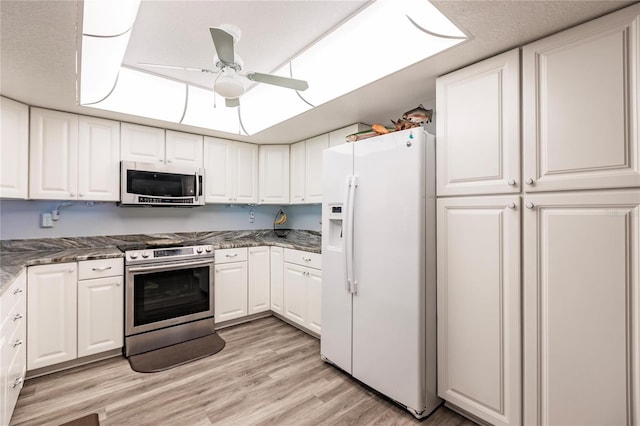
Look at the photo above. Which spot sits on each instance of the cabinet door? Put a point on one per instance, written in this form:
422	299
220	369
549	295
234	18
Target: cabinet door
98	159
100	315
230	291
246	173
273	169
259	291
581	308
14	149
338	137
218	158
313	168
183	149
297	169
51	321
580	106
478	128
478	306
142	143
295	293
53	155
314	299
277	280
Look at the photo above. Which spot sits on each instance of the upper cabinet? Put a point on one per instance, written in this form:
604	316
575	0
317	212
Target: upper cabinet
14	149
306	170
273	174
231	171
580	106
338	137
478	128
142	143
183	149
73	158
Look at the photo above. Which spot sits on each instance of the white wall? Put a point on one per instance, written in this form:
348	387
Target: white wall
21	219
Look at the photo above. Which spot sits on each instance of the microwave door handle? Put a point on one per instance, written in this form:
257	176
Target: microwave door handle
195	175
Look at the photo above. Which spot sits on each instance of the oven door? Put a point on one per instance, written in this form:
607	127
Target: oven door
167	294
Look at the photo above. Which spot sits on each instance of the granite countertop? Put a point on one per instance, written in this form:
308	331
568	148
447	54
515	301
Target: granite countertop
15	255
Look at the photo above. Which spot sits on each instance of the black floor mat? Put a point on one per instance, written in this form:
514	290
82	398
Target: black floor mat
175	355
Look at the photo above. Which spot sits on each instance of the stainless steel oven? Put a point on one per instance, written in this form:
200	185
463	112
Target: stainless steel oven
168	296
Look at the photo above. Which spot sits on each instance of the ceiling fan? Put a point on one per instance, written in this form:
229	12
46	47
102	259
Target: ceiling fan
228	82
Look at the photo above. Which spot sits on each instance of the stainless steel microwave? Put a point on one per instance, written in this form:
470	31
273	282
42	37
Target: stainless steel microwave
148	184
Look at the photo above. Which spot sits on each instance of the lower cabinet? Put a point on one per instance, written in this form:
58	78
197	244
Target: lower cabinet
277	279
478	306
259	277
302	289
230	290
13	332
70	318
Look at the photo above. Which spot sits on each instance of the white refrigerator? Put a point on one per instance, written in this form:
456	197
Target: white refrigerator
378	265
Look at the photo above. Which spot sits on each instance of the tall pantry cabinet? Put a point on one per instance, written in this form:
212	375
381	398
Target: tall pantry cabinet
578	203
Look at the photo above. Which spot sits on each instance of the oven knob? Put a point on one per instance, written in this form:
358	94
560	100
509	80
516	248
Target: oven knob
198	250
208	249
133	255
145	254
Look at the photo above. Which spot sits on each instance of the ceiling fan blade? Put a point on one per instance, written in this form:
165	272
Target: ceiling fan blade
232	102
276	80
175	67
223	41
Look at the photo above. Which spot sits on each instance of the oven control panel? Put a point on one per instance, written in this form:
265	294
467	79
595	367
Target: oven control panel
140	256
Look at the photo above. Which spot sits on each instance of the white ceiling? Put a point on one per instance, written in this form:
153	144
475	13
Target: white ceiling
39	39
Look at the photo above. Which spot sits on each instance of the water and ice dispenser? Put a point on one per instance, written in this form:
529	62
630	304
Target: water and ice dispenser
336	212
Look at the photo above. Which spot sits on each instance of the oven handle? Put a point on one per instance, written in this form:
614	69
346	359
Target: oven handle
167	266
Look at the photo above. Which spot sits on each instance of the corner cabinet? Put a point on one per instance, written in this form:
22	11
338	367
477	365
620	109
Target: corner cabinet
581	308
478	298
73	157
231	171
14	149
581	90
478	149
306	170
273	174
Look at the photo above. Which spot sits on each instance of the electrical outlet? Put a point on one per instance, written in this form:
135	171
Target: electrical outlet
252	216
46	221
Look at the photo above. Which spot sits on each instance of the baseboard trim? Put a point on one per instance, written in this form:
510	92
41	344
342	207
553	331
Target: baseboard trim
73	363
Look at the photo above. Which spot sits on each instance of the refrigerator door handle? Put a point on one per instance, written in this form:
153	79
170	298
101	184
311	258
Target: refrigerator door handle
349	240
346	228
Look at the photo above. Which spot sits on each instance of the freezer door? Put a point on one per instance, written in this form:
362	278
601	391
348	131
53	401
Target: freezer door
335	342
389	266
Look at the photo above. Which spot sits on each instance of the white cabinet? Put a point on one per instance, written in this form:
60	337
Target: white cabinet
13	352
478	128
478	292
259	280
302	289
73	157
52	322
142	143
231	295
183	149
14	149
567	143
338	136
581	308
100	306
306	170
277	279
273	168
231	171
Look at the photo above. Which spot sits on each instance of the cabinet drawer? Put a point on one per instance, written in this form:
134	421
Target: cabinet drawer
14	294
15	321
13	377
304	258
89	269
231	255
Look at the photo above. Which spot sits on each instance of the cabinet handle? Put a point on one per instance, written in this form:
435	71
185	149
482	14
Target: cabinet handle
217	270
81	194
306	259
168	161
512	206
102	268
17	343
530	205
231	255
529	181
512	182
17	382
70	270
73	194
17	291
17	317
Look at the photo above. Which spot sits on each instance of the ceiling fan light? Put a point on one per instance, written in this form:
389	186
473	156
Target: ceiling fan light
228	87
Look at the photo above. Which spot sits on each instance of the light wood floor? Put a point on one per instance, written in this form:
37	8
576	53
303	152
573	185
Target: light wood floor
269	373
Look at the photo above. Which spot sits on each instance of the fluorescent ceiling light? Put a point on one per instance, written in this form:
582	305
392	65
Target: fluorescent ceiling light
383	38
